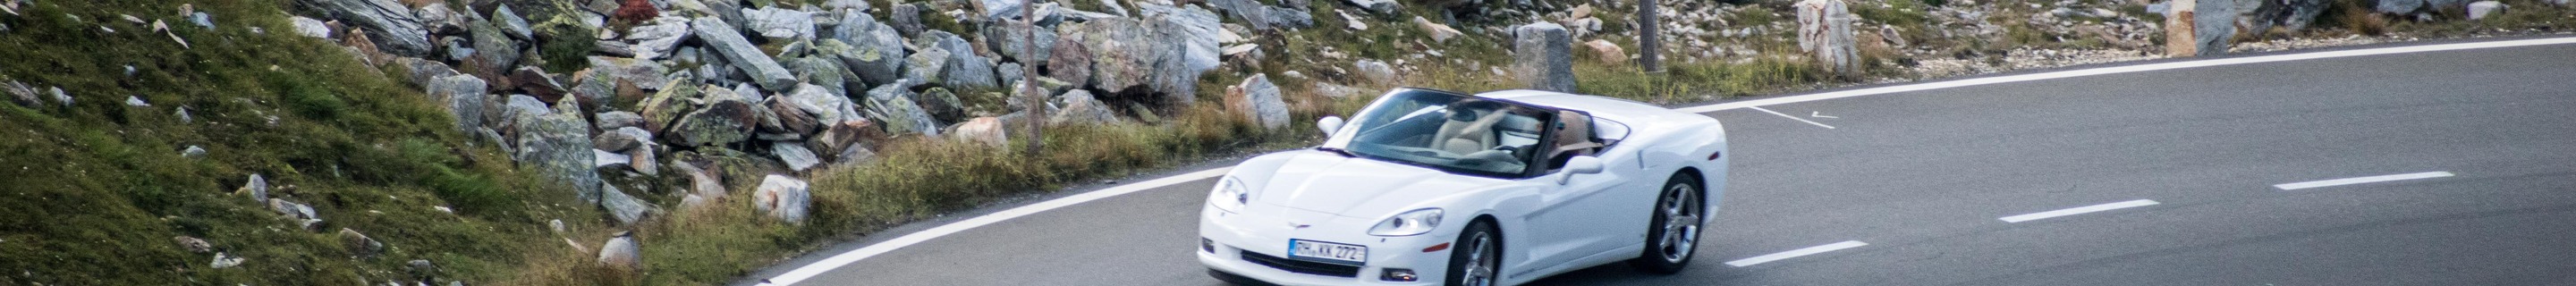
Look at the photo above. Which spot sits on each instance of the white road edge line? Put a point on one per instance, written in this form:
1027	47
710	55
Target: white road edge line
836	261
2361	180
845	258
1811	250
2124	69
1792	117
2078	210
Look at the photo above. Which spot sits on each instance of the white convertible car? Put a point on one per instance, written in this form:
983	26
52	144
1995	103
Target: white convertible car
1435	187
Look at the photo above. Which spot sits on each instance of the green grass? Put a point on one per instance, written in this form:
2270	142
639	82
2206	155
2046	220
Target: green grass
97	190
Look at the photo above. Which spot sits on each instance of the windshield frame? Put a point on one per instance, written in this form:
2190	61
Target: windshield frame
1341	139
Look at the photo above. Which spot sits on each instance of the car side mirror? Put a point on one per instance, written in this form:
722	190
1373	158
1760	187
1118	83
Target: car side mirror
1329	124
1578	165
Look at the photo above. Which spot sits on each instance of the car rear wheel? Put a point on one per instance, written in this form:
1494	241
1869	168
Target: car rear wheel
1673	233
1478	257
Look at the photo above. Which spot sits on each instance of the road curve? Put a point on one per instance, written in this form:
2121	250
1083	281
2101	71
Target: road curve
2196	176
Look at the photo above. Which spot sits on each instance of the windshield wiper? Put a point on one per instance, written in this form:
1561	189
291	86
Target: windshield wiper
1344	153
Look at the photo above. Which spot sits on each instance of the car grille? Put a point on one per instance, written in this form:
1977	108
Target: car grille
1299	266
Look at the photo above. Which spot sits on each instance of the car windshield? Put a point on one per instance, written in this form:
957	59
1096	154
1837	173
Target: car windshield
1447	131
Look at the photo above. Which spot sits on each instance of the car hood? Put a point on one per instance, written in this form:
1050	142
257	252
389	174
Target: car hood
1357	187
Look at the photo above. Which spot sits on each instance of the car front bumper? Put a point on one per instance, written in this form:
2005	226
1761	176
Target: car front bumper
1265	231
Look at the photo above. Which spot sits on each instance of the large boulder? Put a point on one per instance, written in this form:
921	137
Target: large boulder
925	66
1070	61
1119	61
1825	33
1193	32
892	106
659	38
826	105
783	197
845	135
462	96
397	31
872	50
1001	9
558	145
677	98
748	58
1081	108
1011	41
2214	26
1374	71
2482	9
1439	33
779	24
963	68
1381	7
942	104
1258	101
494	51
726	118
906	18
2400	7
795	155
1544	53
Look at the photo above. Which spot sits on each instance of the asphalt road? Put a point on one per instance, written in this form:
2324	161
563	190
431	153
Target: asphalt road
1925	179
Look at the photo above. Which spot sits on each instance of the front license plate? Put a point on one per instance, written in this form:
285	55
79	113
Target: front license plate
1327	251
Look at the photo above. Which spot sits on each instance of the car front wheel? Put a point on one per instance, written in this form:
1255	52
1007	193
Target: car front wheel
1478	256
1674	231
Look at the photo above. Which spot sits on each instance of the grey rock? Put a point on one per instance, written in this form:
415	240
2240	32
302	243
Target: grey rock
22	94
906	18
644	74
439	19
2214	25
493	47
693	202
1119	61
1374	71
1193	31
744	56
604	160
785	120
225	261
510	22
892	106
641	158
702	181
923	67
614	120
1009	74
1544	54
192	244
291	209
1261	102
1381	7
1081	108
822	70
1001	9
2303	13
423	71
942	104
659	38
463	97
1011	42
458	49
2401	7
2440	5
389	24
60	97
257	188
557	144
855	156
2482	9
183	116
826	105
989	131
964	69
535	81
622	252
625	209
796	156
874	51
202	20
423	265
779	24
136	101
618	140
846	5
193	152
783	197
365	246
726	118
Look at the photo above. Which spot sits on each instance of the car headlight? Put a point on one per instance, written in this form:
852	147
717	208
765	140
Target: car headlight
1230	194
1408	223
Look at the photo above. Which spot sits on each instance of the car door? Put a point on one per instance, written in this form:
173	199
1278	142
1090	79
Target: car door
1583	214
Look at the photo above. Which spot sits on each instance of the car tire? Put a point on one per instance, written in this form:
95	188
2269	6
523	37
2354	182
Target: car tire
1673	233
1478	258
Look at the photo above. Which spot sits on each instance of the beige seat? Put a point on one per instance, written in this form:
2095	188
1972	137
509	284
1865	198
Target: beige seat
1463	137
1574	138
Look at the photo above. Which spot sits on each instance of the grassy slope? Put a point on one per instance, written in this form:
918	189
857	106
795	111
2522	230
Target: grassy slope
95	192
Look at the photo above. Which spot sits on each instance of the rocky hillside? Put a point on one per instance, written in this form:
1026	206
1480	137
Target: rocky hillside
454	142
